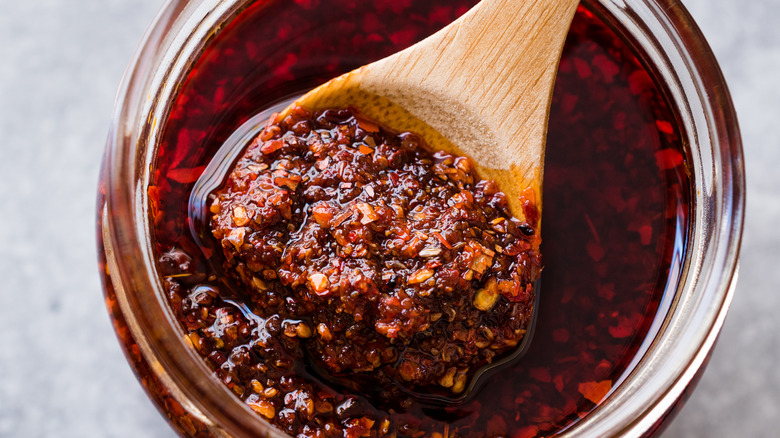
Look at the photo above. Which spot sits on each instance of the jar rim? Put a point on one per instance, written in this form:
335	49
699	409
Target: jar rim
674	46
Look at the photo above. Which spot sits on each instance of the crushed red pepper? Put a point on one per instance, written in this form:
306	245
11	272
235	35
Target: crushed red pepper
328	221
616	197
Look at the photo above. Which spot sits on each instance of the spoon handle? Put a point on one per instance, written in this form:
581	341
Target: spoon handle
480	87
499	58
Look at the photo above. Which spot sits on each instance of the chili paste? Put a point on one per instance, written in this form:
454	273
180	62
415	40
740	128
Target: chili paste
383	261
616	207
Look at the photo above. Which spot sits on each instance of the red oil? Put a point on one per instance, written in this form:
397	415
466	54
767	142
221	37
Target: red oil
615	193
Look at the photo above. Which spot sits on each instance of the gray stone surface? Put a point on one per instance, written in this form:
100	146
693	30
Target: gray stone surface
739	394
62	373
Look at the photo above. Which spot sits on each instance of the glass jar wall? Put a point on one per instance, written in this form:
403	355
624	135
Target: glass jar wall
644	384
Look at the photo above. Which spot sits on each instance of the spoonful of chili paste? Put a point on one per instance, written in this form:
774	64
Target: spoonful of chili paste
359	219
392	267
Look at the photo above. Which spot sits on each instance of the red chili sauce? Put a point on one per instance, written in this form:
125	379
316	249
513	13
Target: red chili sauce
615	203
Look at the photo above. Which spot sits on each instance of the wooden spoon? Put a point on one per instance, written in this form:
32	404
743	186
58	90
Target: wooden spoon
480	87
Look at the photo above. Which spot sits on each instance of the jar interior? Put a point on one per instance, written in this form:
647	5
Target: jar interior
616	195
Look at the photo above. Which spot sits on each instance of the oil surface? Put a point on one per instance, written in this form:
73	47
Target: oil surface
615	197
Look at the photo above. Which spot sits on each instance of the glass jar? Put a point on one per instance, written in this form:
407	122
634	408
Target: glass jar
658	381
